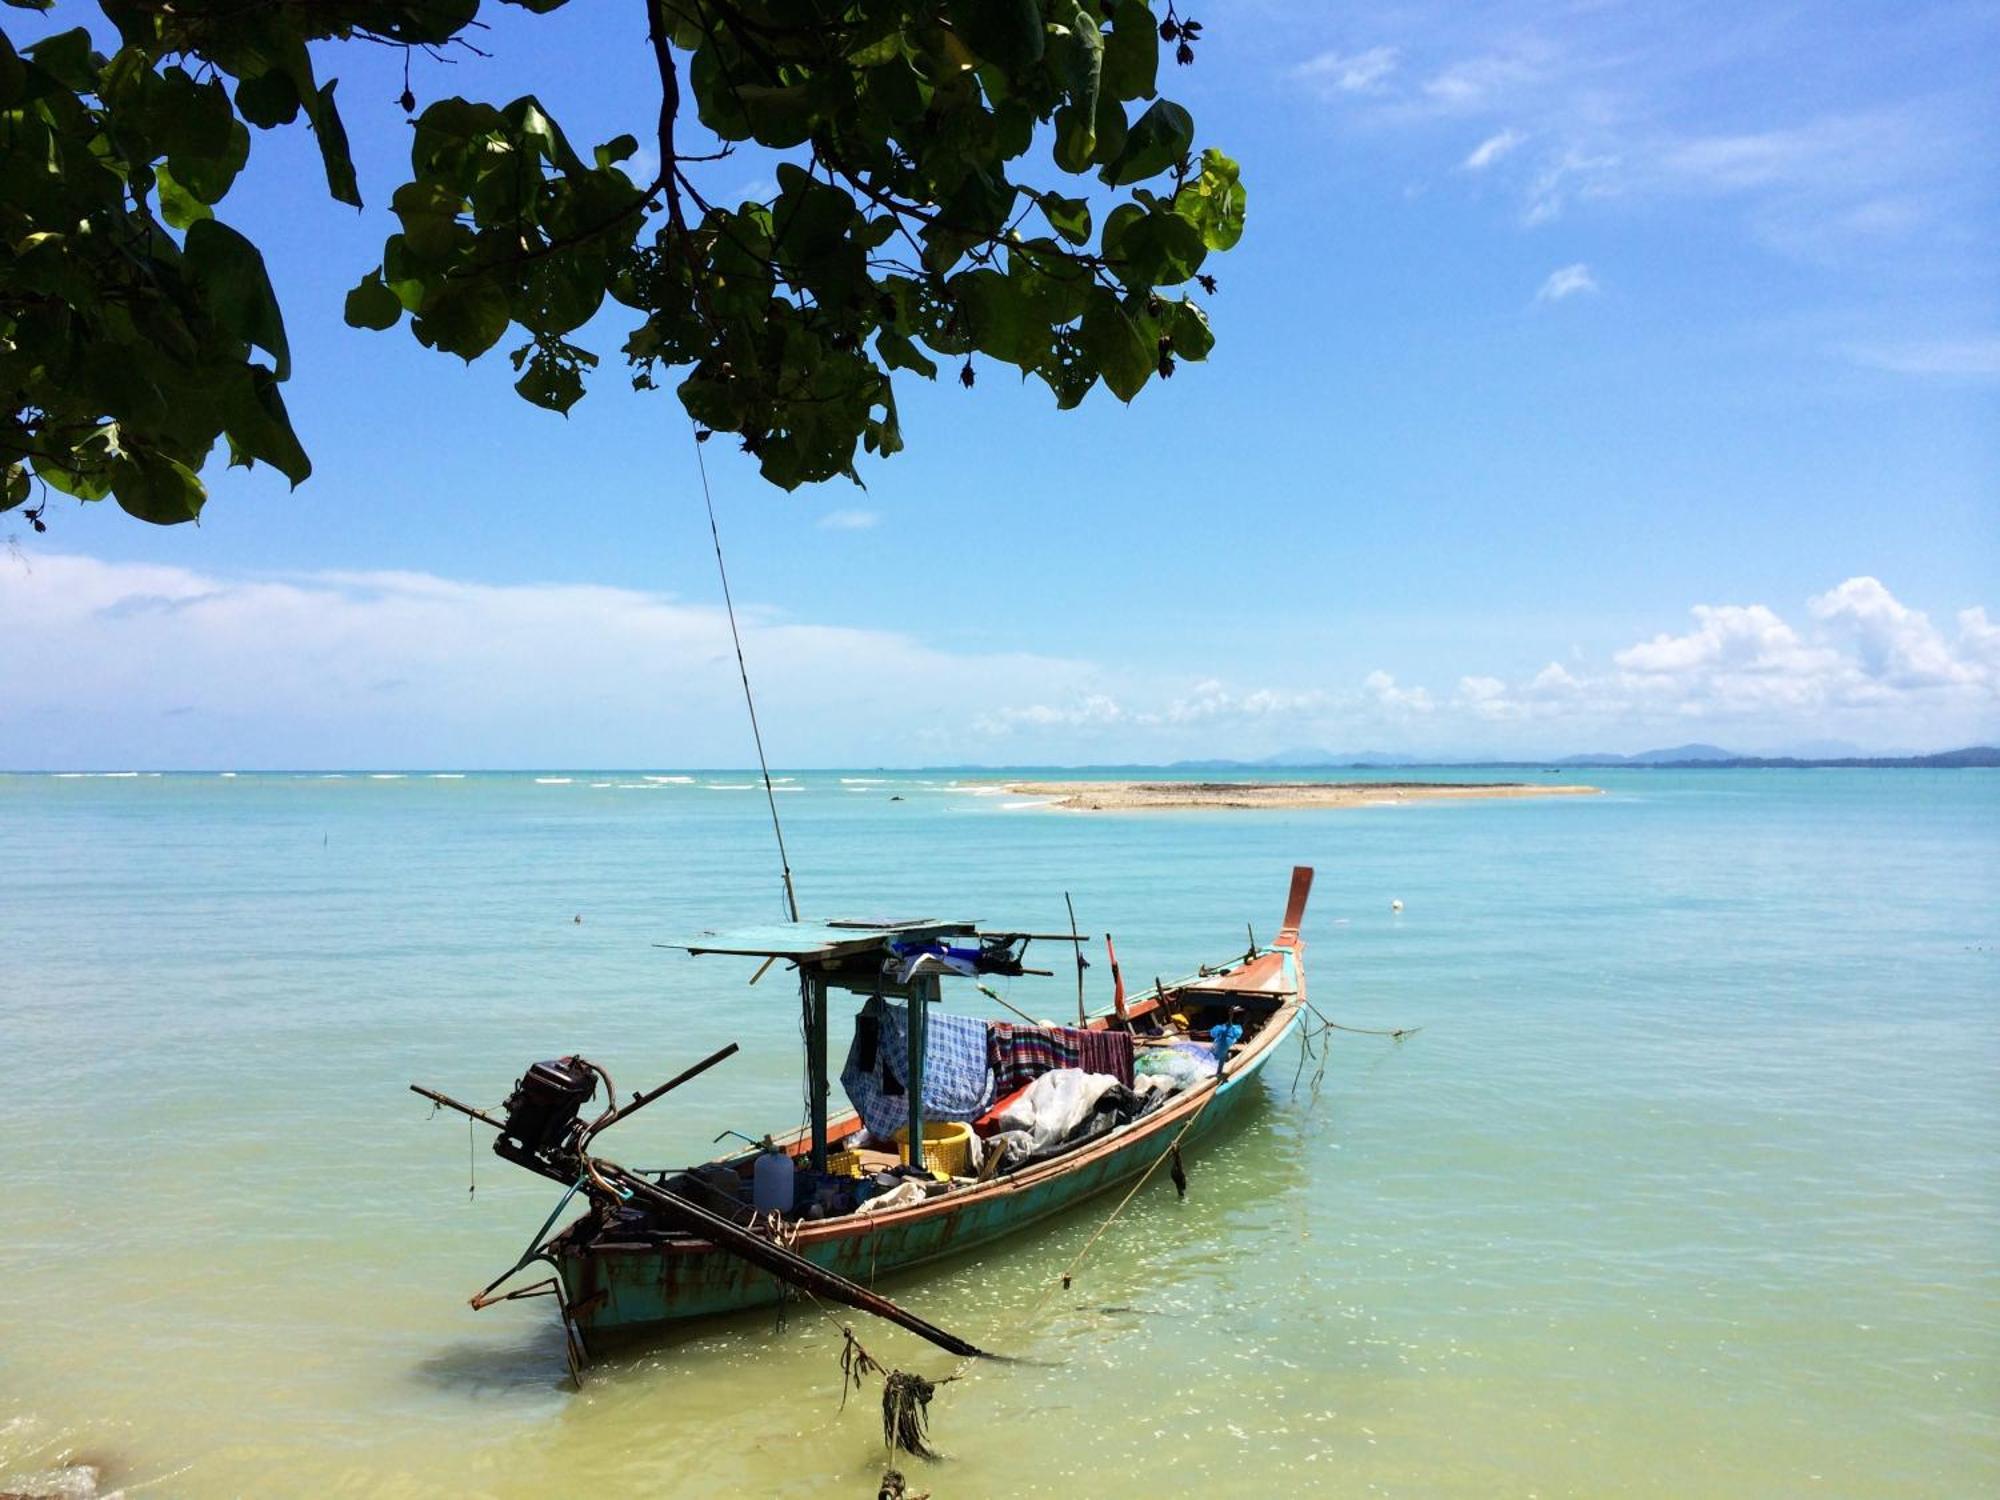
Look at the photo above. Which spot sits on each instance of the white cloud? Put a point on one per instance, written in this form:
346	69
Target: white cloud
849	520
1979	638
1826	150
162	666
1948	357
1566	176
1568	281
1870	655
1208	702
1657	105
1486	698
1490	150
1554	680
1896	646
115	665
1349	73
1489	80
1382	688
1870	667
1088	711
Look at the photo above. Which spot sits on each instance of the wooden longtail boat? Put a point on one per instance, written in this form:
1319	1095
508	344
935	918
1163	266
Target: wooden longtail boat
619	1273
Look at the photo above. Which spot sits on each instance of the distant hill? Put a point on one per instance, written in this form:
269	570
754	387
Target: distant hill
1971	758
1680	755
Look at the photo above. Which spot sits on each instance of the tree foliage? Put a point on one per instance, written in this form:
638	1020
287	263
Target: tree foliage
998	178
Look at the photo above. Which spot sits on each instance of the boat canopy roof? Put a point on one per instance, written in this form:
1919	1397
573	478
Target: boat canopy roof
822	942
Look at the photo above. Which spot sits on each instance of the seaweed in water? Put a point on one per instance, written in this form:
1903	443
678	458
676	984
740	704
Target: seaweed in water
906	1413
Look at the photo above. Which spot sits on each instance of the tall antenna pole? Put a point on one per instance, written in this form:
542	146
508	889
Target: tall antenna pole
757	735
1076	942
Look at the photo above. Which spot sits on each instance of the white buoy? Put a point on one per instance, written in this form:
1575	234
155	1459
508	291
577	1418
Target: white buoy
1395	906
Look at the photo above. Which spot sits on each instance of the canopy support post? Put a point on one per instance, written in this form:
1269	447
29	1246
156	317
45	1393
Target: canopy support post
812	991
922	993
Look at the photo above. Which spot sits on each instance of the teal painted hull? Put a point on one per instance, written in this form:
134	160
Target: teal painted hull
612	1290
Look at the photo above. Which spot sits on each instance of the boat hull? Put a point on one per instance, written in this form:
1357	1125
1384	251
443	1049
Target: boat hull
615	1290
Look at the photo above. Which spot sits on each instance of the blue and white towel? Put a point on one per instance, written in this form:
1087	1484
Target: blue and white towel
958	1083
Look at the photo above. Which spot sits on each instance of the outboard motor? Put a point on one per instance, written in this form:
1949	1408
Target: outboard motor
542	1111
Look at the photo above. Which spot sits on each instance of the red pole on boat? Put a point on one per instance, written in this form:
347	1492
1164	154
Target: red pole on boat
1117	979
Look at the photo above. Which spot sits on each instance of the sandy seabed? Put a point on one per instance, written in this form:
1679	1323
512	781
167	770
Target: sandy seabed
1139	796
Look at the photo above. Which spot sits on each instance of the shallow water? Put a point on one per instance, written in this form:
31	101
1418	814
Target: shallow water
1690	1183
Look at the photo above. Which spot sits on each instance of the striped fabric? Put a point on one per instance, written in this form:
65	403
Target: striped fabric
1018	1055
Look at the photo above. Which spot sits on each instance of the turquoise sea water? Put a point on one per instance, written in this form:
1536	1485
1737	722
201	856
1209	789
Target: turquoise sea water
1689	1185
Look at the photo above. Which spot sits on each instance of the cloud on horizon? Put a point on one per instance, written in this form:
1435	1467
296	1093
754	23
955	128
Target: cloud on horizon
1867	667
112	664
117	665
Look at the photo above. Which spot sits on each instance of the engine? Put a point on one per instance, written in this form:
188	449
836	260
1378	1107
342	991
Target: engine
542	1111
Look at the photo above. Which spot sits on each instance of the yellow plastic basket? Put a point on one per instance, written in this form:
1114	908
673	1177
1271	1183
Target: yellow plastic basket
947	1148
844	1163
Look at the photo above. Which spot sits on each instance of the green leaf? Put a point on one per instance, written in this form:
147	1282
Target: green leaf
178	206
1068	217
372	304
898	352
1114	342
1007	33
1214	201
1157	141
230	273
551	383
268	100
259	427
465	318
1186	325
1080	69
208	178
333	152
67	58
1155	248
1132	51
532	124
996	316
429	213
619	148
560	292
809	217
152	487
778	115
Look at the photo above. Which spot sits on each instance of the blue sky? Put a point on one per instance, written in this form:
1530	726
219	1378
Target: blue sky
1591	376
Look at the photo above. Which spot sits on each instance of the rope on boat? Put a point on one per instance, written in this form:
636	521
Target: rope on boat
1323	1052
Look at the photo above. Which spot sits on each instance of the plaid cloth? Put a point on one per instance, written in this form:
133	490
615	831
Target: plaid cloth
958	1084
1019	1055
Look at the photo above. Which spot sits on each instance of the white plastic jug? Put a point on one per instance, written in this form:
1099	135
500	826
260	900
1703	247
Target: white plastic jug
772	1181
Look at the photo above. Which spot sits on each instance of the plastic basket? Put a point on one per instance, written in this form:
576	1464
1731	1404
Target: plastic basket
947	1148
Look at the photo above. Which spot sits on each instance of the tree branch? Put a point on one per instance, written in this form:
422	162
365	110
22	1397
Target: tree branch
670	107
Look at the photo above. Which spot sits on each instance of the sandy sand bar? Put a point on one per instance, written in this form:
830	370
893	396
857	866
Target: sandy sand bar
1137	796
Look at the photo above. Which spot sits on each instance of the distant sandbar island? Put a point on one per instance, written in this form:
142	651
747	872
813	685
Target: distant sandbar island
1143	796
